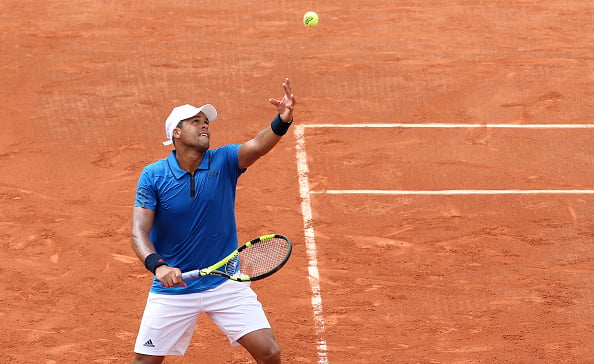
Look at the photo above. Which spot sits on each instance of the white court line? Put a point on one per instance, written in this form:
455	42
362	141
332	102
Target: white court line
310	243
447	126
453	192
305	194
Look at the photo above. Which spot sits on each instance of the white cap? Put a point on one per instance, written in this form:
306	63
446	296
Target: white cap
185	112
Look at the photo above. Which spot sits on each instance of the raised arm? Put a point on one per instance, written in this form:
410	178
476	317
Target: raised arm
267	138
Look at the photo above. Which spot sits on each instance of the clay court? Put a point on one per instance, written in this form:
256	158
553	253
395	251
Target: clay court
437	184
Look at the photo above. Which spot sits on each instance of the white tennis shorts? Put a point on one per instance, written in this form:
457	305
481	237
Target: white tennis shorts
169	321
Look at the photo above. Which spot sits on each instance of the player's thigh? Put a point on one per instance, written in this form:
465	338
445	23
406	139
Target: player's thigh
167	325
235	309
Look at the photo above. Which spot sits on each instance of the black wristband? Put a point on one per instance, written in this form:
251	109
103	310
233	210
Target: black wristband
153	261
279	127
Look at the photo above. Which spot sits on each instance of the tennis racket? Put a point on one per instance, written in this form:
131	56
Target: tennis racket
256	259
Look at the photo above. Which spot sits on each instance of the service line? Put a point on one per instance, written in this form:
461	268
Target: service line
449	126
454	192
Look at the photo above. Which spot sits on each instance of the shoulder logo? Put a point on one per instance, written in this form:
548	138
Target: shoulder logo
149	344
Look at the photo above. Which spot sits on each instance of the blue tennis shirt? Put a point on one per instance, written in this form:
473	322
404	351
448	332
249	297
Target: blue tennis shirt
194	225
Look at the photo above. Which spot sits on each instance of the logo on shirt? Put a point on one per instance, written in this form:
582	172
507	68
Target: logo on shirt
149	344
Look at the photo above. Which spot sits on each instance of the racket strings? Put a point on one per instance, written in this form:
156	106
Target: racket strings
262	257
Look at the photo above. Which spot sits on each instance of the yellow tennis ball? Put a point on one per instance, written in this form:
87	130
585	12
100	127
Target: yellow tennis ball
310	19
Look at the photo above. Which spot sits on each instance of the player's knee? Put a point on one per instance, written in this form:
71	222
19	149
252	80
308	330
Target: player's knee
147	359
271	356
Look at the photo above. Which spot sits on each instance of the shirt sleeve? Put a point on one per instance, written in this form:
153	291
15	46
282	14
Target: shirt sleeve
146	196
232	151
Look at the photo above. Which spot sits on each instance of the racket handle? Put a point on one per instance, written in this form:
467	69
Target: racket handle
193	274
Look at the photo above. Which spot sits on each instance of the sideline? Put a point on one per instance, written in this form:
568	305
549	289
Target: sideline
310	243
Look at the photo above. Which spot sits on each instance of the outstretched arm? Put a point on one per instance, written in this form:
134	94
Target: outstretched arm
267	138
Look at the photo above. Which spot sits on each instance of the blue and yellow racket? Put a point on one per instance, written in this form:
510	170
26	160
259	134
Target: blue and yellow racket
254	260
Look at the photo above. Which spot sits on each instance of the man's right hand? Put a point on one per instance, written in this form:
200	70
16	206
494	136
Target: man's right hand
169	276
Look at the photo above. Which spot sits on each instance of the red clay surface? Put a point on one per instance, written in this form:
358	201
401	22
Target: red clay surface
84	90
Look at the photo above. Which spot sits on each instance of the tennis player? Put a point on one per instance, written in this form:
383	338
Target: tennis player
183	219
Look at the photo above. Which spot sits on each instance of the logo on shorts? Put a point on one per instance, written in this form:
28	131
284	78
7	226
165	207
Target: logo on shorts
149	344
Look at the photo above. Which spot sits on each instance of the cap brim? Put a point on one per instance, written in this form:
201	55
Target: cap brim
210	112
